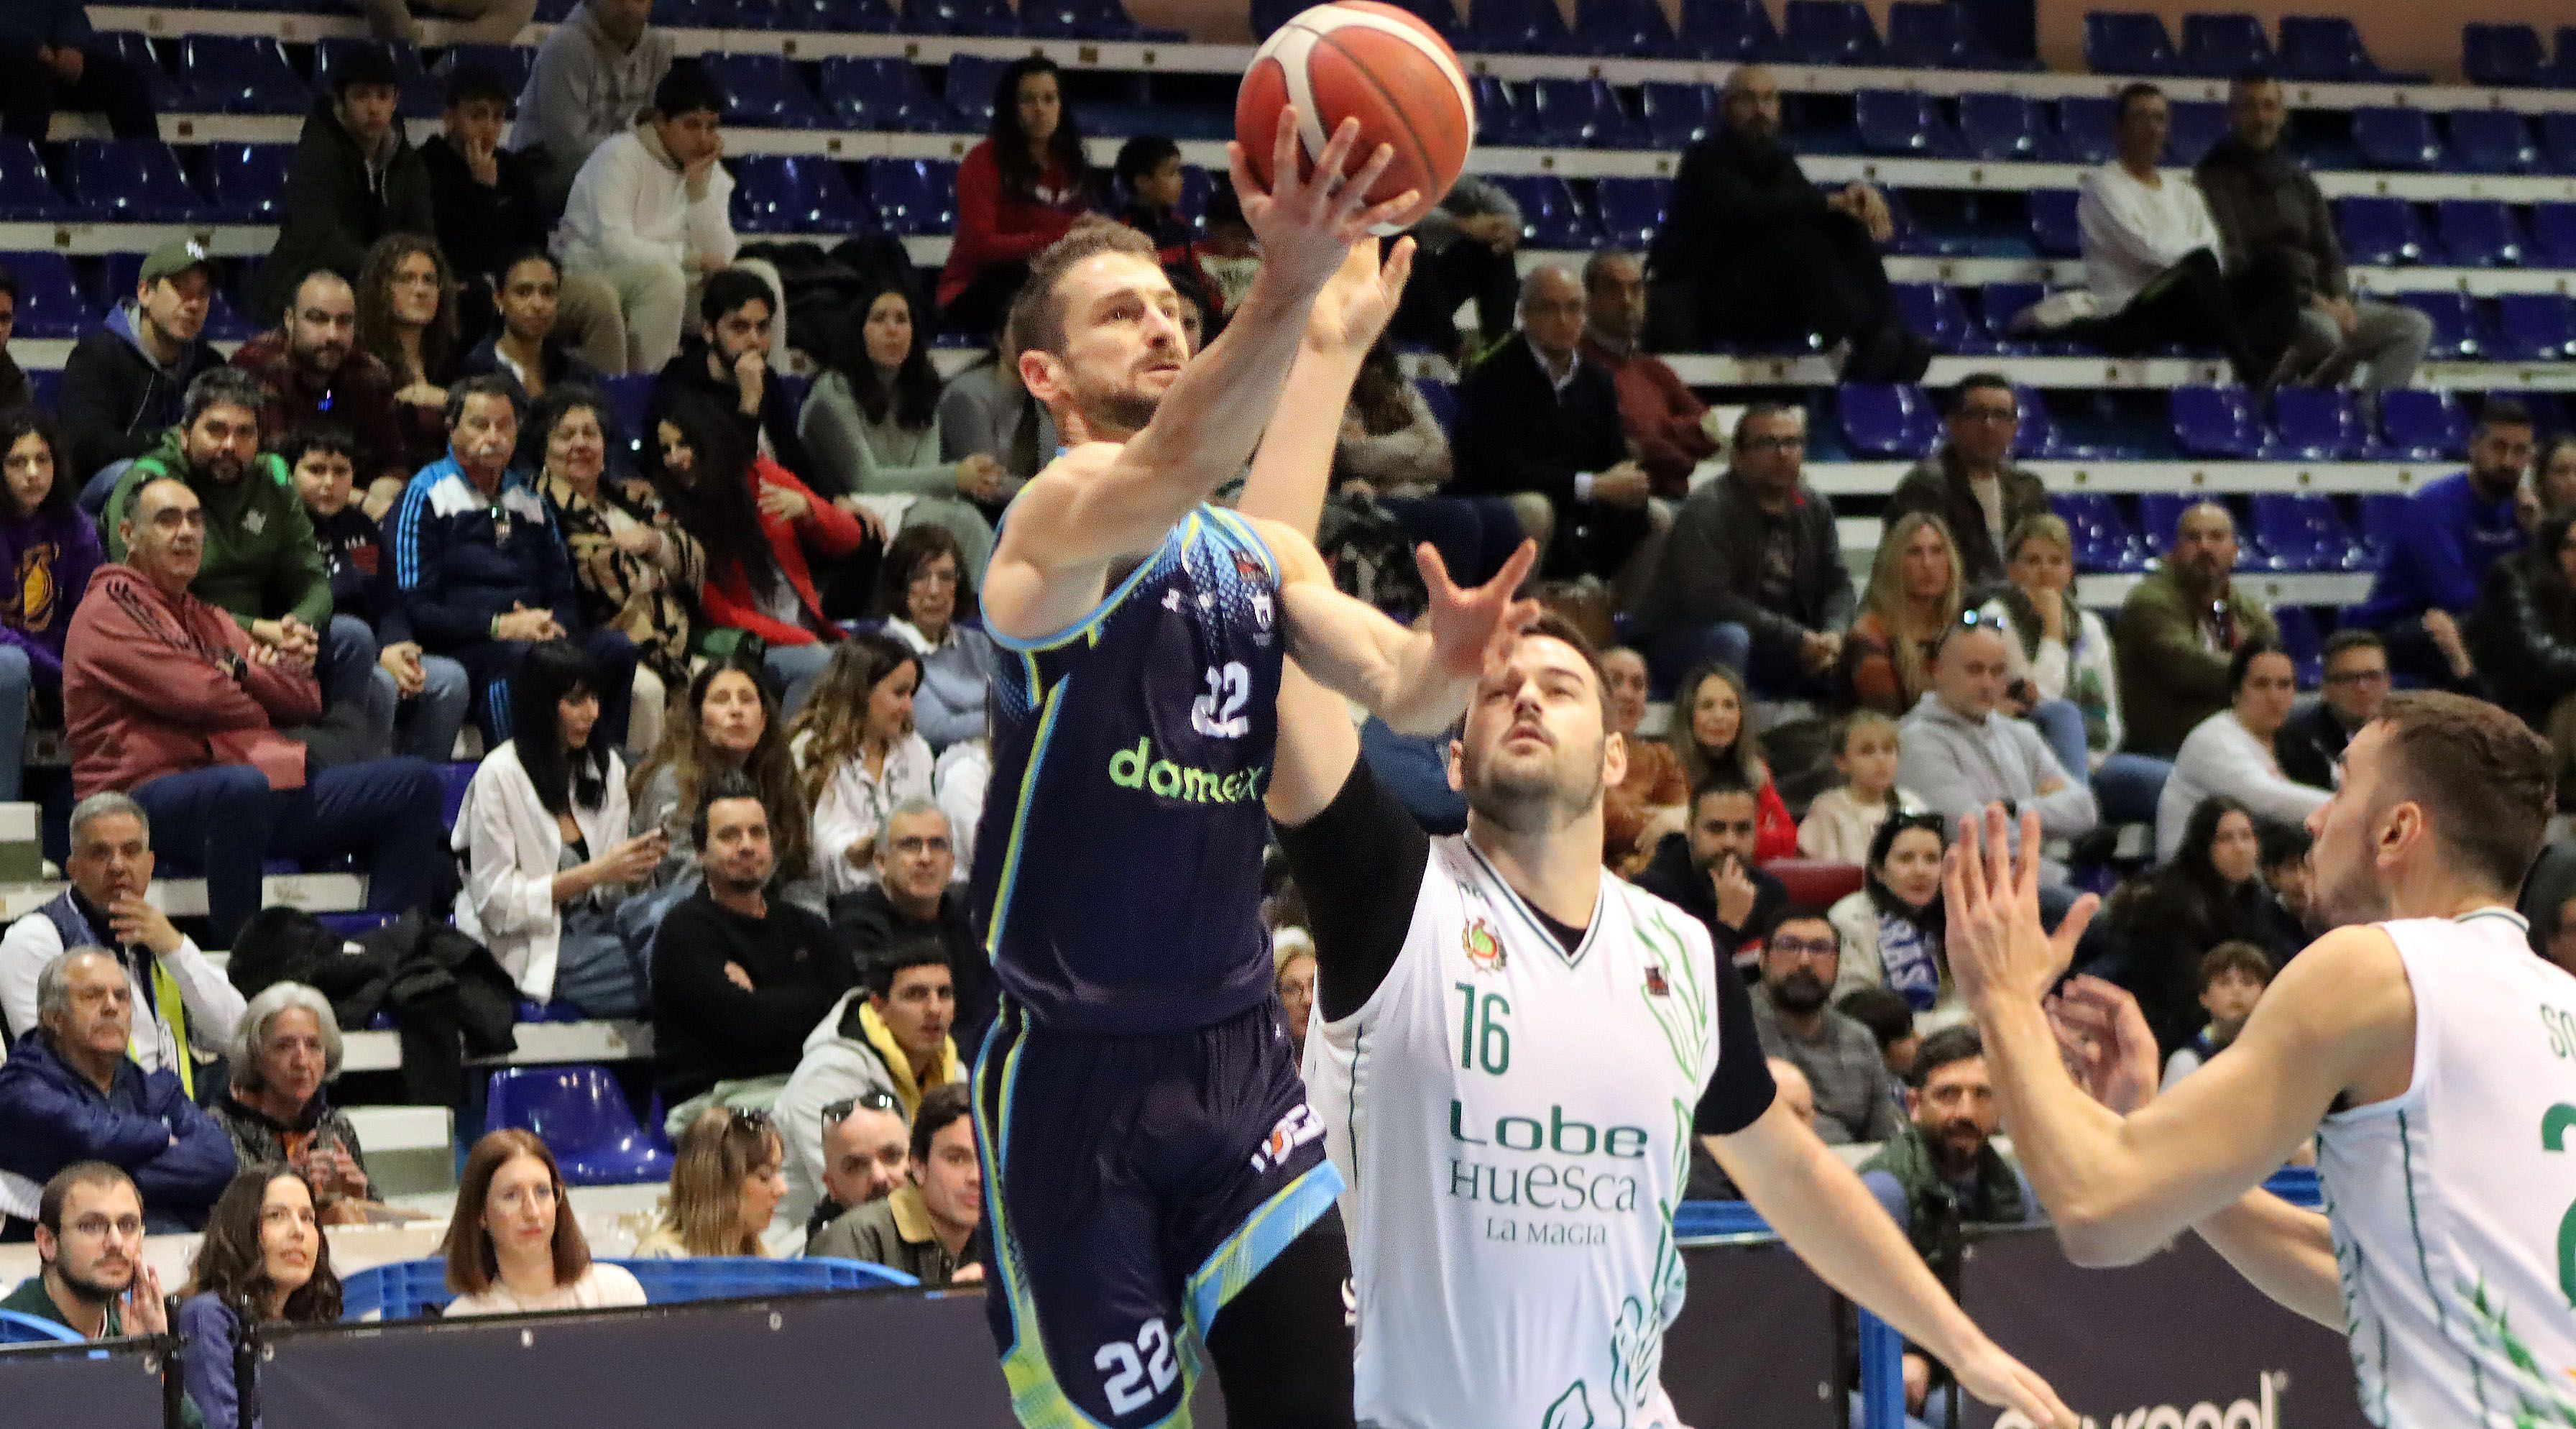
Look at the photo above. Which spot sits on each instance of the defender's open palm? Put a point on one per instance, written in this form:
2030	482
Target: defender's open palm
1360	300
1309	218
1471	628
1999	950
1998	1379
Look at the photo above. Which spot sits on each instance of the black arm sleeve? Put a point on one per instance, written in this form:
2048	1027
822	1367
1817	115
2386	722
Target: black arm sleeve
1741	1089
1357	862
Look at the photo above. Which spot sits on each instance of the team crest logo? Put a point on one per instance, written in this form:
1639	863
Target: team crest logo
1250	567
1655	984
1484	950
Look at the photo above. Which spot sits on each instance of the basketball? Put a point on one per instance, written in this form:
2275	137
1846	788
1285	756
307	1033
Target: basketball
1358	59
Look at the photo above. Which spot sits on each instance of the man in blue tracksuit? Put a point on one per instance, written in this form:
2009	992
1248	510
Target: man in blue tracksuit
2433	561
482	572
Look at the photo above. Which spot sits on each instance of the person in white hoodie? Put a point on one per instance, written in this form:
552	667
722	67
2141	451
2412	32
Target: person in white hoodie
651	213
2151	251
890	1034
543	832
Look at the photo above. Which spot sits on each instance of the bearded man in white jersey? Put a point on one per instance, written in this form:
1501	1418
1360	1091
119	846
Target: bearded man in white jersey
2421	1042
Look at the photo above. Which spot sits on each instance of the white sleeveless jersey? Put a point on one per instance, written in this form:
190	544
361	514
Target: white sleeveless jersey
1513	1122
2454	1205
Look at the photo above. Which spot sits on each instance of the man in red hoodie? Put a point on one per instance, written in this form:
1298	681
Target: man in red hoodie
167	699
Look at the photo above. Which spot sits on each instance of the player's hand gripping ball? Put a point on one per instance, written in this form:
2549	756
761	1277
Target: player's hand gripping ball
1357	59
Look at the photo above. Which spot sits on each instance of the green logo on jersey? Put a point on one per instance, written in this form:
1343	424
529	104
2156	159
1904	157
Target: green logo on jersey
1137	768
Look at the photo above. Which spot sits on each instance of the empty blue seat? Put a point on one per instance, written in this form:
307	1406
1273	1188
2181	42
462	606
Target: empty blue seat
1631	209
2053	229
236	74
960	17
2379	232
1086	20
1903	122
2535	327
2493	141
968	88
2553	234
1518	26
880	92
1936	34
1581	112
2085	129
1624	27
1936	311
2501	54
50	304
1550	218
2104	540
1998	304
1676	114
913	196
2224	46
1828	32
2301	641
2392	138
130	181
2214	422
247	182
27	192
2303	532
2558	141
1887	420
2456	330
2197	126
1501	117
1728	30
581	1114
874	17
2478	232
130	46
417	95
2128	42
2384	515
18	1329
509	63
2000	127
2324	48
765	92
2421	424
2317	424
794	194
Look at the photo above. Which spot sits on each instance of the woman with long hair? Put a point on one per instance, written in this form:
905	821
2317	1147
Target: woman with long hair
1892	929
1017	191
769	540
728	724
637	569
726	1183
263	1261
1710	733
2552	488
2523	634
543	831
49	548
1912	600
872	424
859	755
407	321
2059	655
2211	892
513	1245
1393	450
924	591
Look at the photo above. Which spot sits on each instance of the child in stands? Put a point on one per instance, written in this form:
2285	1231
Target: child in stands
2232	978
1842	820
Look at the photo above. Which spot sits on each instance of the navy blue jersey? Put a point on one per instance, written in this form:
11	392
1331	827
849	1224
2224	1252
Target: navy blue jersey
1119	861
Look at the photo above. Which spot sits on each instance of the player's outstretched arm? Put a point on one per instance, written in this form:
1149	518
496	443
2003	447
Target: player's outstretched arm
2339	1017
1819	1206
1294	467
1418	681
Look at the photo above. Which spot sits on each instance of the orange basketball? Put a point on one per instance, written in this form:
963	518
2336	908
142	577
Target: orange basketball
1357	59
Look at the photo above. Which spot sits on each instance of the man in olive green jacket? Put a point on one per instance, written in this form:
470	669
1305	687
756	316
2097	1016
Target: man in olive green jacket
2179	628
925	1229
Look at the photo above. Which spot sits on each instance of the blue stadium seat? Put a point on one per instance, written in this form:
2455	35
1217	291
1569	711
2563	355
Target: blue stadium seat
873	17
2104	540
794	194
913	196
2317	424
1903	122
2380	232
1676	114
734	1277
2493	141
1936	311
1501	117
1440	15
580	1112
1441	398
2385	513
418	96
2303	532
880	92
1828	32
2216	422
2001	127
1087	20
1519	27
2197	126
225	323
2053	229
2535	327
27	192
1631	209
2553	234
2457	333
2301	641
2325	49
509	62
960	17
131	47
247	182
2128	42
2084	129
2225	46
765	92
2422	424
2558	141
130	181
2478	232
18	1329
1624	27
1886	420
968	88
2501	54
236	74
1728	30
1998	304
50	304
2401	139
1581	112
1936	34
1550	218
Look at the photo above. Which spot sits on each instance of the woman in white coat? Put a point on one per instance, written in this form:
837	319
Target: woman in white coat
543	832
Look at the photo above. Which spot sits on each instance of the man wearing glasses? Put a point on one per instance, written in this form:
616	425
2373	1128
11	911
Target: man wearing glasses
1752	576
2311	744
1793	1016
89	1239
916	899
1971	482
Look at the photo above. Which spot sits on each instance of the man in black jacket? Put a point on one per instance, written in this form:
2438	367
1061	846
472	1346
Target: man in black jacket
913	900
2356	685
728	360
125	384
355	179
1708	872
1539	426
1752	253
1971	482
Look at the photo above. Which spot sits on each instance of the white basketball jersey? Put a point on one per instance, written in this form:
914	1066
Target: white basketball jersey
1513	1123
2454	1205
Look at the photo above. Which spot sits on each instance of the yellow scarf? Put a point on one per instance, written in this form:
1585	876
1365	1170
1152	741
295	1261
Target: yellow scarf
899	1062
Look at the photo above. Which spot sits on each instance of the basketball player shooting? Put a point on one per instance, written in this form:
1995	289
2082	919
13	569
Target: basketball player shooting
2423	1044
1155	1177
